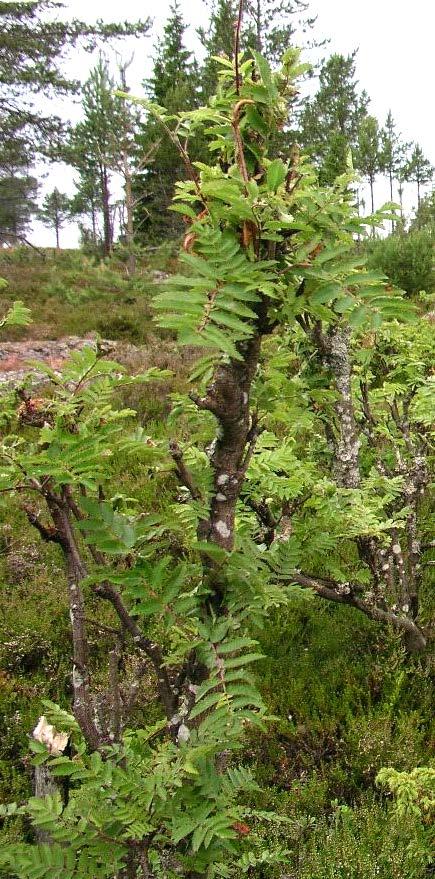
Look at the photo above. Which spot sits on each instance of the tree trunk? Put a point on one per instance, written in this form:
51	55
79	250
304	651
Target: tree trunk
390	175
258	28
334	349
107	225
76	572
372	200
129	229
228	399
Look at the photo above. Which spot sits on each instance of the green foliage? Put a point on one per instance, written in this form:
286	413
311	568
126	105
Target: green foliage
418	170
330	121
55	211
174	84
34	47
407	258
414	791
362	843
17	206
17	316
184	583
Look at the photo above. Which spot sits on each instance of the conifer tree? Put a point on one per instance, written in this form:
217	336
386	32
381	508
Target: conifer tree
55	212
393	157
217	39
33	48
271	27
99	141
17	206
275	25
85	205
419	170
331	120
174	85
392	151
368	155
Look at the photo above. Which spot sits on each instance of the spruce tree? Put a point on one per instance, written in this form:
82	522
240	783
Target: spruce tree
330	121
275	25
271	27
217	40
174	85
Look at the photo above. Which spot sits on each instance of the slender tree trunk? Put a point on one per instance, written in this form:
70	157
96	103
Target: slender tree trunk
258	26
57	236
107	225
129	229
390	175
401	198
372	200
76	572
94	223
334	349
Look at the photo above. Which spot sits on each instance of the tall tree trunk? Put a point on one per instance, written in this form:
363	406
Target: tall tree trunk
372	201
129	229
259	40
390	175
94	223
107	225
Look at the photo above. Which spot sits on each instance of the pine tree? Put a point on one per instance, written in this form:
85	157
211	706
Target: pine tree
425	215
393	153
86	202
55	212
33	47
330	121
17	206
98	143
419	170
368	154
174	85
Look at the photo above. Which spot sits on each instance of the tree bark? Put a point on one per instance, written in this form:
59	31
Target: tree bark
129	231
105	197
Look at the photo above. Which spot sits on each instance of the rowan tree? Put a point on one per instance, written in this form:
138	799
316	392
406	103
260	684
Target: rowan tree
271	494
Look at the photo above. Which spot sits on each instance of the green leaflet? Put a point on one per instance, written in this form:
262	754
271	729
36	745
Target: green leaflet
276	174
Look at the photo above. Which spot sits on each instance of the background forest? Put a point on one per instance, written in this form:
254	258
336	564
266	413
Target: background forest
217	448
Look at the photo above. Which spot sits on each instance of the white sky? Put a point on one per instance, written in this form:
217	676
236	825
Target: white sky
395	62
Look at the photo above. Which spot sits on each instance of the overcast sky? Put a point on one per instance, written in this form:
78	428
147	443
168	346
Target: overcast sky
395	61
